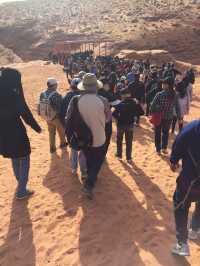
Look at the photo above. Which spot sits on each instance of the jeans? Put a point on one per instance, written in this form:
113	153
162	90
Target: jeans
21	168
128	132
181	217
162	135
94	159
78	157
52	127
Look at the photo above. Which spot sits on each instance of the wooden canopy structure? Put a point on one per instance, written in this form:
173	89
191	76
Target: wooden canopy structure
70	47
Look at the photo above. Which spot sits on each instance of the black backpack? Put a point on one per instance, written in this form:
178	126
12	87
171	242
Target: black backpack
79	136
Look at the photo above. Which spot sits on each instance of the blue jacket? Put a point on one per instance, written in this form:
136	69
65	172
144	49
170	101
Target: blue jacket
187	140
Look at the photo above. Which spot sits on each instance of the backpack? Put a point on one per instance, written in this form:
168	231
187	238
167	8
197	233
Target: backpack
46	111
79	136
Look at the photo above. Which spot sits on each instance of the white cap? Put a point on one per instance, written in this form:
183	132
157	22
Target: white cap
52	82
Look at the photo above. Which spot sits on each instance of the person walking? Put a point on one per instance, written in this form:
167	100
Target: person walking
76	157
14	142
95	111
125	113
137	90
186	148
49	109
107	93
184	99
163	107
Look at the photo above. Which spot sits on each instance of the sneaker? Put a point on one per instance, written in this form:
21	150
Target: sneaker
181	249
130	161
193	235
25	195
74	171
88	192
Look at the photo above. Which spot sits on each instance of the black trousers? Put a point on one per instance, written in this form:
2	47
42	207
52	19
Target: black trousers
162	135
181	216
175	119
94	160
126	130
108	130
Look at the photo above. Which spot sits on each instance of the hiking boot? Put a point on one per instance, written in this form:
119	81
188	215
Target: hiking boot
88	192
193	235
181	249
25	195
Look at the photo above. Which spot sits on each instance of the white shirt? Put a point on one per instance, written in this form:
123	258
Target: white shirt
92	109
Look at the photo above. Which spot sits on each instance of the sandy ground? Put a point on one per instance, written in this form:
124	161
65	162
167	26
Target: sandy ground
129	223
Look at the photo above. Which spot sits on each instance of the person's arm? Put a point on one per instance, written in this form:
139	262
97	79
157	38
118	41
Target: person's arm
155	105
139	110
69	118
107	110
27	116
177	108
179	148
115	113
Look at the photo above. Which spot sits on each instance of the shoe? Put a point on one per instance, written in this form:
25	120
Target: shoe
25	195
165	151
158	152
74	171
130	161
193	235
88	192
52	150
181	249
118	157
62	146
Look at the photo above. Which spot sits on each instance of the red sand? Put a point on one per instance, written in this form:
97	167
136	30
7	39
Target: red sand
129	223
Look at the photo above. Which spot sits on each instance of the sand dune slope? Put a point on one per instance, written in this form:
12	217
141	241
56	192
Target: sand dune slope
129	223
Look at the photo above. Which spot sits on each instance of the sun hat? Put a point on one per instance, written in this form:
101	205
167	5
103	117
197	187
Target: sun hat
123	78
90	82
81	74
52	82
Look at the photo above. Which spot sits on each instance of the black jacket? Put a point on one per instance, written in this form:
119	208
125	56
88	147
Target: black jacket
137	90
65	103
126	112
14	142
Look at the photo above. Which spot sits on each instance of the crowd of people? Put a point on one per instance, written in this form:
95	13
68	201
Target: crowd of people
103	90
